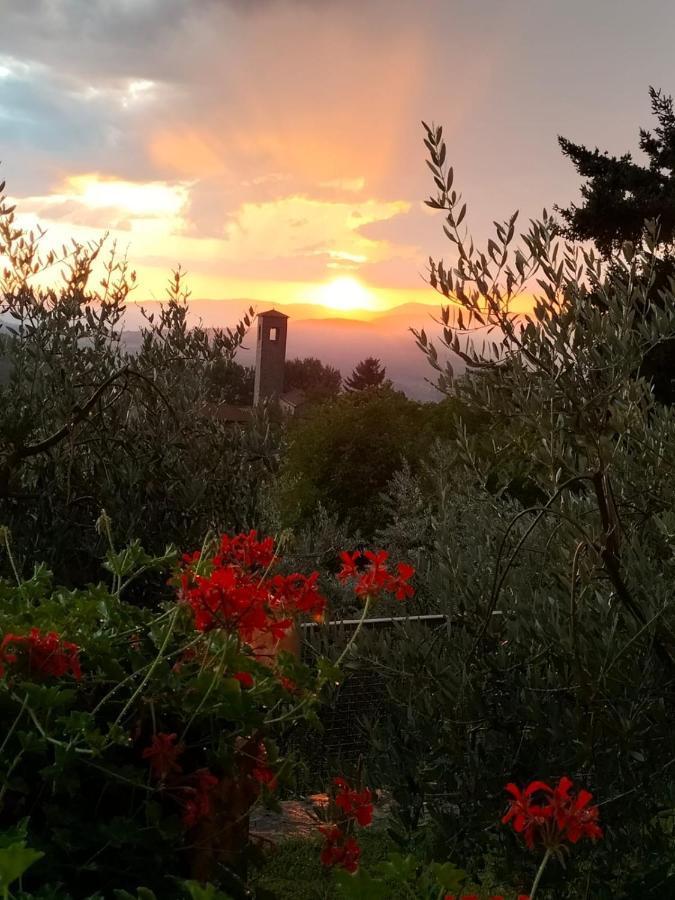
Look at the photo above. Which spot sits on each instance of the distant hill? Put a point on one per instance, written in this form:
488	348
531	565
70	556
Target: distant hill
336	340
343	342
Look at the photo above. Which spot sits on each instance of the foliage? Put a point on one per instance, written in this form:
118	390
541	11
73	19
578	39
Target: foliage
317	380
620	195
230	382
15	856
86	425
292	868
161	735
369	373
557	653
147	732
343	455
403	876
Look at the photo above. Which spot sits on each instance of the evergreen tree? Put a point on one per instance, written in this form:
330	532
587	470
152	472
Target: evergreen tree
369	373
619	194
619	197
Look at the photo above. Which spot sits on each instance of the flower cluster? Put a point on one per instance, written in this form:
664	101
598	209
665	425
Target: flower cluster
41	654
356	808
339	849
552	816
356	805
235	590
373	577
259	768
197	800
194	790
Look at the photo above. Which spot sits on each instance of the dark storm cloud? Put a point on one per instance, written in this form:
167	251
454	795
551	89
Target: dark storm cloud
95	37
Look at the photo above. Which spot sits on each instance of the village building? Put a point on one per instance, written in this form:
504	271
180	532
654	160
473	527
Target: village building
270	365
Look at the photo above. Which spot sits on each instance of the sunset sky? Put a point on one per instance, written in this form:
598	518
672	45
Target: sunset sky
273	147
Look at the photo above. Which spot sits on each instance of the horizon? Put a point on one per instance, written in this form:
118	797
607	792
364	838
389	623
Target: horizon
274	150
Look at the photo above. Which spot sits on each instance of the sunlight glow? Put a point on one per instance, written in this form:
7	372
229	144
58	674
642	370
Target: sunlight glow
150	198
345	294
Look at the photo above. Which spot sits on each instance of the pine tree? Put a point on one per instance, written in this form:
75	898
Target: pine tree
619	194
369	373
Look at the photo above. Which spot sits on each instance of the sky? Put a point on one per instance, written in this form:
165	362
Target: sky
273	148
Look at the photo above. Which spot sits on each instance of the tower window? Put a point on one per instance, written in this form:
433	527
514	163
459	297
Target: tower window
273	334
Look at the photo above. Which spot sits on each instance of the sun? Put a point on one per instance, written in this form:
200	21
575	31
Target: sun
345	294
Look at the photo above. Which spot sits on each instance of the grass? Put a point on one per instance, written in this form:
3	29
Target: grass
292	871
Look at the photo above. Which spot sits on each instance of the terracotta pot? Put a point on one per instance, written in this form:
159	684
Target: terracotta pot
267	648
222	837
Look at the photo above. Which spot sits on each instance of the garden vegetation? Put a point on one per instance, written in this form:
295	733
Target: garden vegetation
158	565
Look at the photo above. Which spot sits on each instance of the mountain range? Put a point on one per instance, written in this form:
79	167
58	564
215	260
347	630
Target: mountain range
336	339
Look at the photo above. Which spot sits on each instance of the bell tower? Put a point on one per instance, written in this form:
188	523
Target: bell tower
270	357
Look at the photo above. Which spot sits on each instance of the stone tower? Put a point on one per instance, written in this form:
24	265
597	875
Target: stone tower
270	357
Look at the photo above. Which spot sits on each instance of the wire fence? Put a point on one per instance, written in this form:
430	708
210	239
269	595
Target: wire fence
359	702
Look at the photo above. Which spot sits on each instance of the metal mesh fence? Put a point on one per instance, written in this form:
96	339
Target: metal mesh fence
361	699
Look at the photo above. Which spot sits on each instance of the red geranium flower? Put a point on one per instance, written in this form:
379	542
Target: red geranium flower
163	754
264	775
288	684
197	806
245	679
338	849
560	816
246	550
375	578
349	568
356	805
234	591
43	654
257	767
582	820
356	808
528	817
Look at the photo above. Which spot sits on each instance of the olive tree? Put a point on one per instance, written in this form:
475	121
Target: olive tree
557	655
85	424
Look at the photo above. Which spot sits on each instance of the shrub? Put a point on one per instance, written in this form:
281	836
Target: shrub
144	736
344	454
557	656
85	424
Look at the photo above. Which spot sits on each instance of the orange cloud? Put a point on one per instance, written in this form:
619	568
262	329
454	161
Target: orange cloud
188	152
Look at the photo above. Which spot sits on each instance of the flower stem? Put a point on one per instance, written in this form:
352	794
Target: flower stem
148	675
292	713
4	532
540	872
358	628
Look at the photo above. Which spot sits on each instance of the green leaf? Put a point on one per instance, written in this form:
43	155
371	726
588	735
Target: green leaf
14	835
142	893
449	877
399	867
199	891
328	671
14	861
360	886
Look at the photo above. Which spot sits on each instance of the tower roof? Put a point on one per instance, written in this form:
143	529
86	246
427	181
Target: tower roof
273	312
